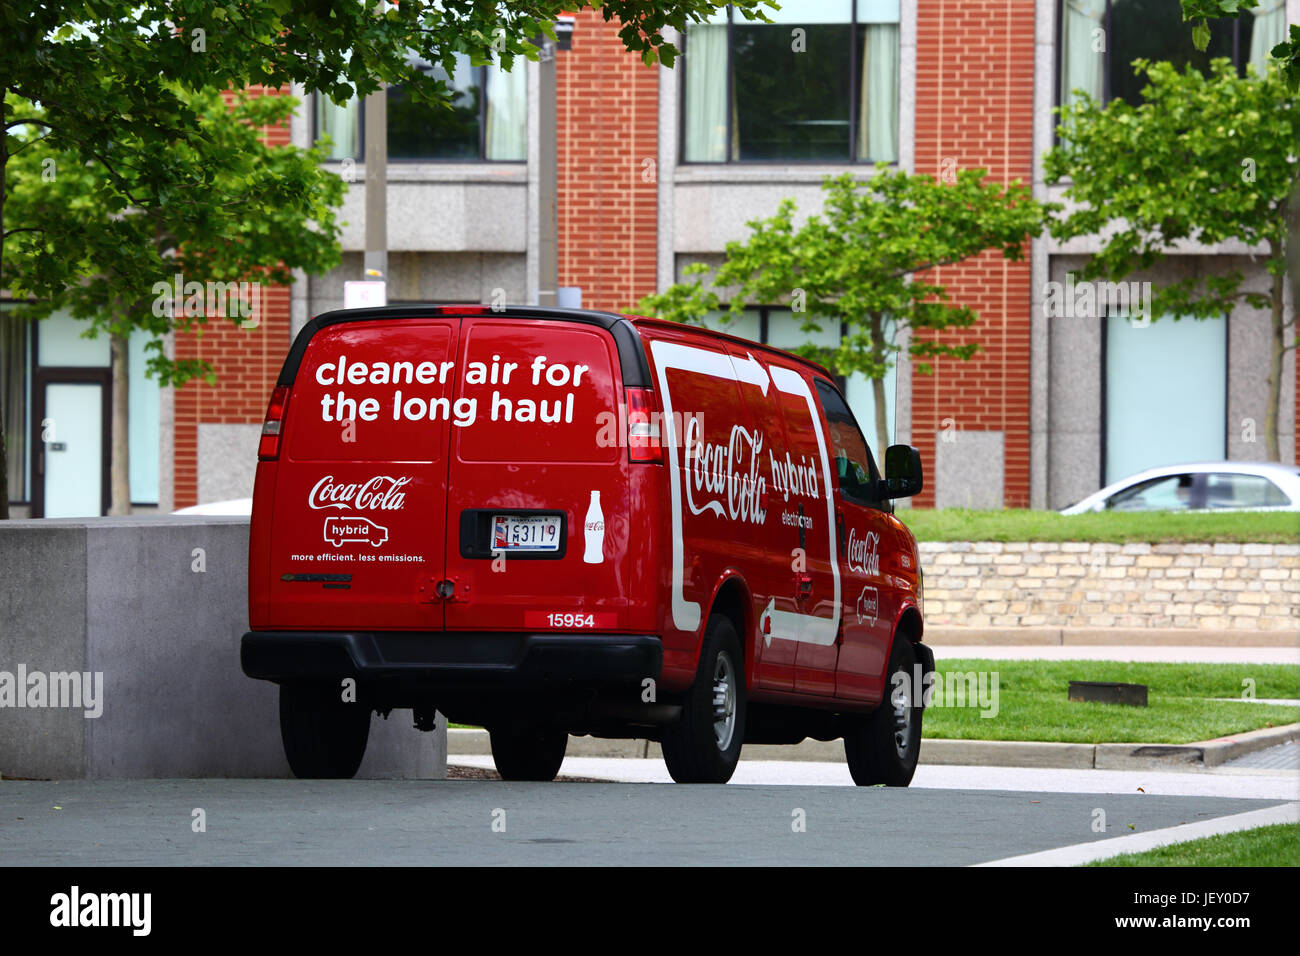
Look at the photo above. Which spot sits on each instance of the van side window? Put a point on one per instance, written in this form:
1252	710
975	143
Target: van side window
855	469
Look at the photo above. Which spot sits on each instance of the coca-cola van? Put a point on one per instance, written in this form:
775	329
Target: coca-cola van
552	522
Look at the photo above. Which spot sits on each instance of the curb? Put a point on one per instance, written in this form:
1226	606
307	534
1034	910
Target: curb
943	635
936	752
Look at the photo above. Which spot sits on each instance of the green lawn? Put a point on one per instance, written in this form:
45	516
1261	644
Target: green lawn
1277	845
1032	702
962	524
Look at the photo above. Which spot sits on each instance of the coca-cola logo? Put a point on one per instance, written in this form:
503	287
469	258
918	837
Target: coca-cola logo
380	493
863	554
730	472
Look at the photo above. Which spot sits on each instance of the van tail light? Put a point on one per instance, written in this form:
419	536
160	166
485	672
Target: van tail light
465	310
268	449
643	444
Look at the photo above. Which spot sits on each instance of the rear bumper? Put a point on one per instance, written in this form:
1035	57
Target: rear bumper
451	660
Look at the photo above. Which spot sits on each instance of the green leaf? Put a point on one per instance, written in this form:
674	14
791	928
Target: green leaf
1201	35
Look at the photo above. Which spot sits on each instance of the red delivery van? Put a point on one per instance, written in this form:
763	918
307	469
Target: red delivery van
554	521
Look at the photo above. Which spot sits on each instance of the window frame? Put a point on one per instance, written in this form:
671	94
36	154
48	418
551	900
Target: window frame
1106	54
873	470
1104	348
481	157
1195	492
1247	476
854	92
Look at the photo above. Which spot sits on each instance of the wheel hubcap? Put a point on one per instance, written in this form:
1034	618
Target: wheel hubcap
902	722
724	701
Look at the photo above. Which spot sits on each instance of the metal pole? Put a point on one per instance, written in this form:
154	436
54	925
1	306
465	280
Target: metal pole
548	269
376	260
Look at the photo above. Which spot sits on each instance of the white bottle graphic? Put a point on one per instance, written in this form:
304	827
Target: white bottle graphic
594	529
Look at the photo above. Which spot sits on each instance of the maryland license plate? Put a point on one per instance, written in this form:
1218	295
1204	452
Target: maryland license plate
526	533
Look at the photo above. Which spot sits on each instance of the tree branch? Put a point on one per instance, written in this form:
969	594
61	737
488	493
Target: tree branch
121	180
29	143
929	265
29	121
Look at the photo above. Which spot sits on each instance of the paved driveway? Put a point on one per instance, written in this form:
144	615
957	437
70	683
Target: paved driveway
473	822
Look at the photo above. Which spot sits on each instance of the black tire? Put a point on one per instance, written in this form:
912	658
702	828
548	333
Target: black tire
704	745
883	746
528	753
324	737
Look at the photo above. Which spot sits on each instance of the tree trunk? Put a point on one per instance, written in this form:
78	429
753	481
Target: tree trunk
4	466
4	458
1273	445
882	422
1293	272
878	389
1293	249
120	467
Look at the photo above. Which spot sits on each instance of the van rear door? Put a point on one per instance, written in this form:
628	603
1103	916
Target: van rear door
357	540
539	505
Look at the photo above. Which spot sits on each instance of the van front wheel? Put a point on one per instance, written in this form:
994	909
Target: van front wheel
324	736
883	746
704	745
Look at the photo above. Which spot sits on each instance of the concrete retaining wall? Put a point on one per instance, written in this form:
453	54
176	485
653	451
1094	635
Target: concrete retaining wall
157	605
1237	587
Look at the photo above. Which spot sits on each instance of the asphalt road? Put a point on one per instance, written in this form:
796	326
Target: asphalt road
432	823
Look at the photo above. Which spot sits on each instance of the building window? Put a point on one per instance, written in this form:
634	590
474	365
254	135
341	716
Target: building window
50	365
486	119
780	328
1165	393
1098	40
820	84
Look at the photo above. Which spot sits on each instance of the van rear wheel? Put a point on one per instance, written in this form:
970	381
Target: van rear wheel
883	746
704	745
528	753
324	736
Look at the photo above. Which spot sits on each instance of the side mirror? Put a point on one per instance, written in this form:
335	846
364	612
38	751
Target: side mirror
902	472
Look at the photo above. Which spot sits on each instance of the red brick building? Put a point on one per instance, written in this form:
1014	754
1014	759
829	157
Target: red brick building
659	168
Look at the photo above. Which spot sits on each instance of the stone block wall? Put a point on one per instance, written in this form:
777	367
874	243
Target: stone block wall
1077	584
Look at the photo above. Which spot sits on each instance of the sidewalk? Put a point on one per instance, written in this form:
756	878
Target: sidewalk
1218	782
1001	753
1043	637
950	753
1135	652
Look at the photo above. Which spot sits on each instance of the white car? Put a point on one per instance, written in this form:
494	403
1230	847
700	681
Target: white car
1207	486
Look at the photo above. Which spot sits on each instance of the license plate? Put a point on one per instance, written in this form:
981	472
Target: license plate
531	533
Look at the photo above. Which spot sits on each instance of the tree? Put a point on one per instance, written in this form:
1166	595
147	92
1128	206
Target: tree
1200	12
1202	159
106	246
864	262
114	82
1287	53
